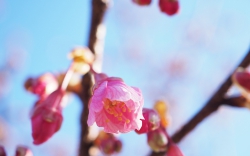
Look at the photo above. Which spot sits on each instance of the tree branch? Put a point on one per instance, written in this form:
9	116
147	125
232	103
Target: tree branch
95	44
212	105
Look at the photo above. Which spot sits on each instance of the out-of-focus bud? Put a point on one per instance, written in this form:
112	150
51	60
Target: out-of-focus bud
2	151
162	109
157	140
118	146
169	7
47	117
23	151
108	143
151	121
82	57
241	78
43	85
173	150
142	2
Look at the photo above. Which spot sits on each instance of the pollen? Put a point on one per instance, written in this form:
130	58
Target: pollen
127	121
124	109
107	120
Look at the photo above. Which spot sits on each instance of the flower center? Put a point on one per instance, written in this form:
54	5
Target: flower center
116	108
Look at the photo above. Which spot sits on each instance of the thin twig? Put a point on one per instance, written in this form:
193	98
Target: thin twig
99	8
212	105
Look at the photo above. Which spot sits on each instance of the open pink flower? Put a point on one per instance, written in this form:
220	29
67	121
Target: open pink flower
23	151
47	117
115	106
151	121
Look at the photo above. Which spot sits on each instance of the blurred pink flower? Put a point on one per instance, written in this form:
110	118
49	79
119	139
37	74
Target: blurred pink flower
114	105
169	7
43	85
2	151
23	151
151	121
47	117
142	2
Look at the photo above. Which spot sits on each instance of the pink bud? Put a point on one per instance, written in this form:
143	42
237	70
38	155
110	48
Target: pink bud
43	85
151	121
158	140
118	146
110	146
23	151
242	78
47	117
169	7
2	151
142	2
173	150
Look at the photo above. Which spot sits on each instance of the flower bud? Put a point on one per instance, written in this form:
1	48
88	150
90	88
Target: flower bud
142	2
2	151
108	143
169	7
151	121
157	140
23	151
43	85
47	117
82	57
162	109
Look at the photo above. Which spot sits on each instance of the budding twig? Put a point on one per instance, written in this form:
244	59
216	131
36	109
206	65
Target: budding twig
212	105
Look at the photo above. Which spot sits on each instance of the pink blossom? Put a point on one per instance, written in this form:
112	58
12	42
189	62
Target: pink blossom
47	117
23	151
151	121
115	106
2	151
142	2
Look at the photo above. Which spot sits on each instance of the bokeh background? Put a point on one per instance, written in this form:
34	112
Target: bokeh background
180	59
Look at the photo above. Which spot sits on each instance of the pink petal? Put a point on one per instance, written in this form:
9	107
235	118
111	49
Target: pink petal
96	103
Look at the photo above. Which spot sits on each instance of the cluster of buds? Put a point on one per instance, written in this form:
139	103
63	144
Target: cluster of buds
154	124
20	151
169	7
46	116
108	143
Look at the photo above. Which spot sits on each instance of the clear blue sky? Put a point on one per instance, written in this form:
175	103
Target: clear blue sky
210	37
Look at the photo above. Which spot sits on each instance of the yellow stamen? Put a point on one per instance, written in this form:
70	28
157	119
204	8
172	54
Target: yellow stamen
127	121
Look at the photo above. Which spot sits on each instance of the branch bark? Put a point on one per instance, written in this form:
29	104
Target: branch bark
212	105
95	44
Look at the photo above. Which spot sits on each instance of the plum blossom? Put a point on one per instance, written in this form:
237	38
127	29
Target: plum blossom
114	105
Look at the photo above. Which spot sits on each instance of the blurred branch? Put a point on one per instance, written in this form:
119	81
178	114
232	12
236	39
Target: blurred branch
99	8
238	101
212	105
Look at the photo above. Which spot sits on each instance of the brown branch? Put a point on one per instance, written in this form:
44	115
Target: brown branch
99	8
238	101
211	106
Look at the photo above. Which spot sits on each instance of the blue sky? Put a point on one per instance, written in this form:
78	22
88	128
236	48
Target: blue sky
210	37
